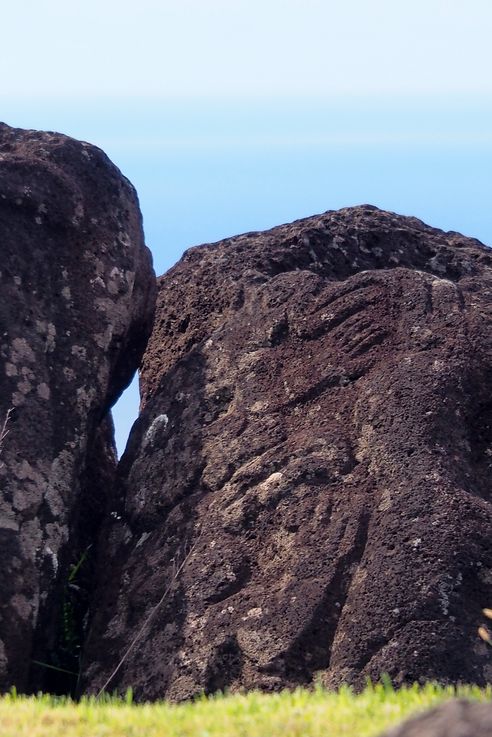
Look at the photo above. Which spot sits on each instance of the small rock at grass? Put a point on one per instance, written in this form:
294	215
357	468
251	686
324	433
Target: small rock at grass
457	718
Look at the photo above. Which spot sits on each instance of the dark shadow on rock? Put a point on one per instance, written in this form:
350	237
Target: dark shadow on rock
151	531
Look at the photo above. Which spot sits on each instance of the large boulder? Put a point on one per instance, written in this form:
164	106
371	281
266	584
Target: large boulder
456	718
77	294
306	494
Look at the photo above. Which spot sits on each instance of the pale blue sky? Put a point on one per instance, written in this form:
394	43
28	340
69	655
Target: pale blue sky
245	47
239	115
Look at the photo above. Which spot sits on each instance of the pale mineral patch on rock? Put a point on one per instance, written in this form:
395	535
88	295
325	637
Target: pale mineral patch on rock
43	390
65	210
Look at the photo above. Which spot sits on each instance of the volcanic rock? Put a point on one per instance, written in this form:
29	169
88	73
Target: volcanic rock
306	494
77	298
457	718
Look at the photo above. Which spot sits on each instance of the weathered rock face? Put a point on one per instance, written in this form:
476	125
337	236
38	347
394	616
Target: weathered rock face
76	303
310	475
457	718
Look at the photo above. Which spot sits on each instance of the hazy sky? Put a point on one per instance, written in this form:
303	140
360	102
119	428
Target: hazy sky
236	115
239	47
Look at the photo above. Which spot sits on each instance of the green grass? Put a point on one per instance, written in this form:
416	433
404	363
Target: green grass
300	713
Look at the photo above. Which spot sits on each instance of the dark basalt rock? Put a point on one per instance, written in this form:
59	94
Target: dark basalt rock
77	298
457	718
309	480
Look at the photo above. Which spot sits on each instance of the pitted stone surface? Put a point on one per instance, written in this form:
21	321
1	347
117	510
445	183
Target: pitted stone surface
76	305
315	445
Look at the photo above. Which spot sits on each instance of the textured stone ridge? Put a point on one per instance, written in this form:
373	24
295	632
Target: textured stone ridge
315	444
457	718
77	295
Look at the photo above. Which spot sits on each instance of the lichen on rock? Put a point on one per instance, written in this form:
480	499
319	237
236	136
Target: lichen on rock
77	297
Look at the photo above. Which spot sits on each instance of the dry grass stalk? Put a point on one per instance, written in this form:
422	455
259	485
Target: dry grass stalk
4	431
483	632
176	570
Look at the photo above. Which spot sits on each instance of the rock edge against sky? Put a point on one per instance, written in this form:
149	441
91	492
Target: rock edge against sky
309	476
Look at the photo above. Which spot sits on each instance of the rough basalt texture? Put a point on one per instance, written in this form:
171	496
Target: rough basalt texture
306	494
77	294
457	718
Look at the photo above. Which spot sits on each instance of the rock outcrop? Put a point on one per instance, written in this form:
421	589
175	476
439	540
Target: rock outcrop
306	494
457	718
77	294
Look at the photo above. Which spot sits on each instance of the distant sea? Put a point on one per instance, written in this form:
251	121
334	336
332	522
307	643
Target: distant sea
206	169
